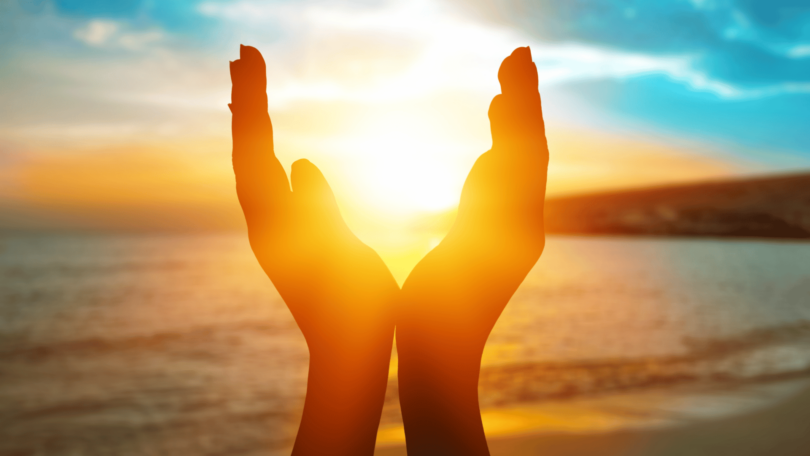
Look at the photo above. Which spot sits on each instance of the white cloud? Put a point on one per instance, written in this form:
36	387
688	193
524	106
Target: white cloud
97	32
103	33
702	82
402	50
449	51
800	51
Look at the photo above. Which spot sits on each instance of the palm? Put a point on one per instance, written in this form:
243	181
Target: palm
465	282
454	296
329	279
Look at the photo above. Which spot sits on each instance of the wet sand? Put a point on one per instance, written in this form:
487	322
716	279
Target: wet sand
782	429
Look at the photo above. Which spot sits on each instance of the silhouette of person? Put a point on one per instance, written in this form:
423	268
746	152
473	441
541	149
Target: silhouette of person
343	297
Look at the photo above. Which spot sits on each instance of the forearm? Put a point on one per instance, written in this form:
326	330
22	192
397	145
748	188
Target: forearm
345	395
445	321
438	391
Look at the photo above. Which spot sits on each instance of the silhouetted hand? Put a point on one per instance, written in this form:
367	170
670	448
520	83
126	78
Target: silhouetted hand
453	297
337	288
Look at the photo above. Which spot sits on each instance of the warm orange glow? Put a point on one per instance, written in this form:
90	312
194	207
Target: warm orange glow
589	161
398	196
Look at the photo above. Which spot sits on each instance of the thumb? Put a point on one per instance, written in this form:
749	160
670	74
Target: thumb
313	194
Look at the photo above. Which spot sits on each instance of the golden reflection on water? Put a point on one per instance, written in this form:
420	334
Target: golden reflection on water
613	314
166	341
635	410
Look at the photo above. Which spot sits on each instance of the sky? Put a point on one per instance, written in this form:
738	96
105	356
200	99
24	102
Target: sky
113	114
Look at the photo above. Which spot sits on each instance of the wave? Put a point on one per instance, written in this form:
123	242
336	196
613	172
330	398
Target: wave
765	354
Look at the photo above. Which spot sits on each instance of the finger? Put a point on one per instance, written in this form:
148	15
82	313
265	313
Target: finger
261	182
249	78
518	74
516	116
506	185
314	197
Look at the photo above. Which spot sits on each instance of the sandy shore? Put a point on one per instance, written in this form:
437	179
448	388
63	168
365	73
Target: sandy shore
746	428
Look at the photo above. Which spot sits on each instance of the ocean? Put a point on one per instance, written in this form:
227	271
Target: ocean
179	344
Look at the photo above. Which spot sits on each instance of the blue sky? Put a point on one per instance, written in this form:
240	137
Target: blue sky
747	81
750	59
725	84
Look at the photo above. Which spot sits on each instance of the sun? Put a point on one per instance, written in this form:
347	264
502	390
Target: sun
400	167
410	177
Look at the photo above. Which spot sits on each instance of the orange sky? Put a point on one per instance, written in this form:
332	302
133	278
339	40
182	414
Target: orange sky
129	129
142	178
189	185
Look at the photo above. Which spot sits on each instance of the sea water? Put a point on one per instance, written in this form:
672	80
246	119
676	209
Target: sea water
179	344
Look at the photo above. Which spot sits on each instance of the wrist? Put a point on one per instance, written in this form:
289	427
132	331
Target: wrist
345	393
438	393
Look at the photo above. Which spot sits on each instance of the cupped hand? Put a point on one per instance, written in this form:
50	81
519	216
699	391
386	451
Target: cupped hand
338	289
454	296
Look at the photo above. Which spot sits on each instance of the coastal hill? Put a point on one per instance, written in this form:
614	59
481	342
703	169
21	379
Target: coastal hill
770	207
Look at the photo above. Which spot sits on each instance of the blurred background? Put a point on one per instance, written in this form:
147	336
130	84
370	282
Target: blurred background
673	296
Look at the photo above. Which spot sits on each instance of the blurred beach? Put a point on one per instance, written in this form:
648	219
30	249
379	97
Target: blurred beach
179	344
